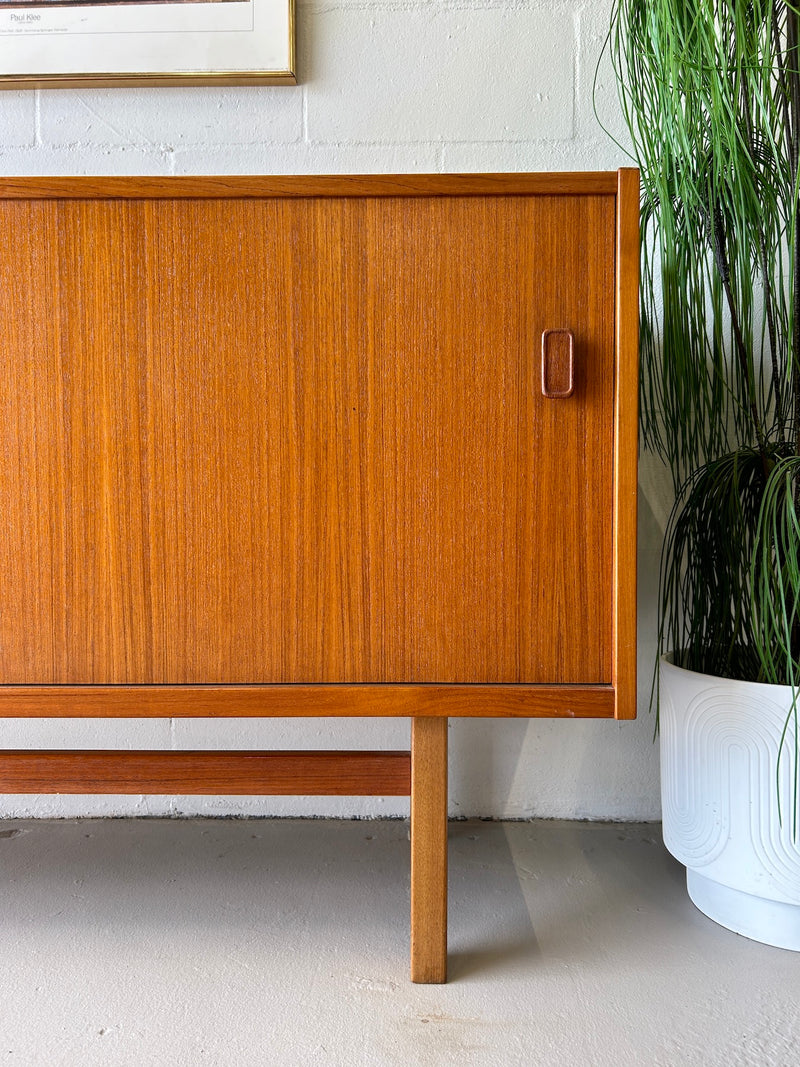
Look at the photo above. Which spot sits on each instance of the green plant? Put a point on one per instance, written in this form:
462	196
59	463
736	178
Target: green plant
710	92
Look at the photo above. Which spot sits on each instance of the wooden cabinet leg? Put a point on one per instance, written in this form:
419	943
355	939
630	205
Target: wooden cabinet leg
429	850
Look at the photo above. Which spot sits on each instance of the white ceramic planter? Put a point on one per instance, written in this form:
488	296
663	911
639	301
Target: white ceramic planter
719	759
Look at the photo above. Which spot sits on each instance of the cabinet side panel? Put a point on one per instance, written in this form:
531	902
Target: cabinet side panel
626	444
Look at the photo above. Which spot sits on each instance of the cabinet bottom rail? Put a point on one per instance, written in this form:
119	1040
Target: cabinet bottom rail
203	773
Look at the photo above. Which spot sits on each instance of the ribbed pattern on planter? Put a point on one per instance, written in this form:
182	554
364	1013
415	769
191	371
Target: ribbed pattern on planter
719	759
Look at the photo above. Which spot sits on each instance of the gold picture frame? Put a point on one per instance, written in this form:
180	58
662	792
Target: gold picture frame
70	44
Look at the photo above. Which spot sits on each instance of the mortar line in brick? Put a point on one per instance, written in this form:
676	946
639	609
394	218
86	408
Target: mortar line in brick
37	118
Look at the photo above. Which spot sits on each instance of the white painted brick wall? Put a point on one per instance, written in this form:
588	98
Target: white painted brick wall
386	86
440	74
161	121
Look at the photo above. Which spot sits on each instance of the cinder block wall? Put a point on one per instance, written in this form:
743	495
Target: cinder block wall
385	86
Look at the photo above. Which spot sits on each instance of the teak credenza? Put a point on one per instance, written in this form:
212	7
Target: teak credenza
316	446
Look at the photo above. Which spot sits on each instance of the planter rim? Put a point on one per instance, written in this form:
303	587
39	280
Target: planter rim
667	660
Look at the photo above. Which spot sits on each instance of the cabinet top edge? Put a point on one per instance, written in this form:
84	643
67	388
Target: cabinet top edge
569	183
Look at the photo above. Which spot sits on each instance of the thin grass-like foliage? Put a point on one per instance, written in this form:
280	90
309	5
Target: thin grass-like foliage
710	92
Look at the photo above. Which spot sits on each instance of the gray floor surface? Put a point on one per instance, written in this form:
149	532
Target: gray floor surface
142	943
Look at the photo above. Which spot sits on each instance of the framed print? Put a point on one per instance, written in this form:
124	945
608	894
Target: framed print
92	43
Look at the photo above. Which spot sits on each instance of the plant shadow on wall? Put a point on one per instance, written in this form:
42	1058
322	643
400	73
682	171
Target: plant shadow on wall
710	94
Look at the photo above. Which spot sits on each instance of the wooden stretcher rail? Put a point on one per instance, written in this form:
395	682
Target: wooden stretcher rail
298	701
339	773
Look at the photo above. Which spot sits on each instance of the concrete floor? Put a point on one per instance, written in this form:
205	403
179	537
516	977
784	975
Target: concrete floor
142	943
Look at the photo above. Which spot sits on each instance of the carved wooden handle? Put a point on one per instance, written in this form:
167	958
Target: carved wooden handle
558	364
